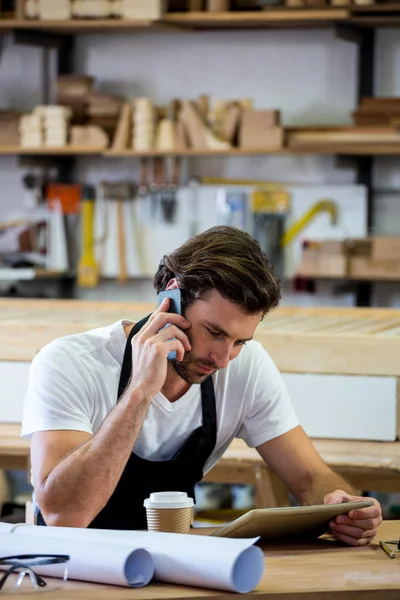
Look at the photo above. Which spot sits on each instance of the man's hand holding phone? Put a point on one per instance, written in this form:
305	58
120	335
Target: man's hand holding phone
152	346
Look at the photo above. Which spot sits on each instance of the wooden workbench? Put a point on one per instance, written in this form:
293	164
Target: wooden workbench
319	570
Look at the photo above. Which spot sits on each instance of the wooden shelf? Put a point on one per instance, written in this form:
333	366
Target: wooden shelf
196	153
377	21
371	16
76	25
348	149
66	151
310	150
267	18
322	150
194	20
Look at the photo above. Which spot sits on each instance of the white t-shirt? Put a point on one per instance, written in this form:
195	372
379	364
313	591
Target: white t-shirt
73	385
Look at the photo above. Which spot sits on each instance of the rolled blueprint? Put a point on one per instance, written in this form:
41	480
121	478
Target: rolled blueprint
114	564
195	560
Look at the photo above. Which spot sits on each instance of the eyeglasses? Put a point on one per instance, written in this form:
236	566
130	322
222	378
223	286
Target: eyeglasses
394	543
23	565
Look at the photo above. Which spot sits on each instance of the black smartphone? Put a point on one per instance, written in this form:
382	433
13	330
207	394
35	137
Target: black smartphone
175	306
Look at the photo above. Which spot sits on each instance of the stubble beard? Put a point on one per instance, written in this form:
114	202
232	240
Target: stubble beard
187	369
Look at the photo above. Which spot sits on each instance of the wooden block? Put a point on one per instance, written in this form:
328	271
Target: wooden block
270	137
195	5
9	129
230	123
218	5
364	267
122	138
58	10
142	9
214	143
385	248
90	136
195	128
261	118
258	130
31	9
180	136
165	135
74	85
19	9
92	9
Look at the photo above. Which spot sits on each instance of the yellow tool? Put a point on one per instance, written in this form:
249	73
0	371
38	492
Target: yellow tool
321	206
88	271
265	200
248	182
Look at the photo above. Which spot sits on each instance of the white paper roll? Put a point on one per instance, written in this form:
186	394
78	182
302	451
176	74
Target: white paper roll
202	561
114	564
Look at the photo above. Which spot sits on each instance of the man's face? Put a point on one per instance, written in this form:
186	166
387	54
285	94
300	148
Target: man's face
219	330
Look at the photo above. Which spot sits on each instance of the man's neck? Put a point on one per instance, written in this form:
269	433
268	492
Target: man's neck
174	387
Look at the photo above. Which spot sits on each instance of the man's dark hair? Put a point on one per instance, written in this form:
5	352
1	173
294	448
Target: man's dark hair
227	260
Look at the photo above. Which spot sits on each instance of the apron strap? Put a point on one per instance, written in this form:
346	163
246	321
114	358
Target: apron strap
126	370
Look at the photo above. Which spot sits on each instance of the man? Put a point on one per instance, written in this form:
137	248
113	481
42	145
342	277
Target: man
112	420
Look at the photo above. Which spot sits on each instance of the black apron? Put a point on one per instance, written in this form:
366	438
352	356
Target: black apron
141	477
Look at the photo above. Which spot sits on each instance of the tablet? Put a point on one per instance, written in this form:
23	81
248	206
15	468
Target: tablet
275	523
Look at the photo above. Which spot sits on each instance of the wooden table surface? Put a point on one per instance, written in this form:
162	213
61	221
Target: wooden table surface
319	570
300	340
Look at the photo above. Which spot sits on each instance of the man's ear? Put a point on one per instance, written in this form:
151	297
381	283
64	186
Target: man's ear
172	284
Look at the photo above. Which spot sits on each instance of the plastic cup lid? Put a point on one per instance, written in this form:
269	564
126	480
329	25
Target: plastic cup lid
169	500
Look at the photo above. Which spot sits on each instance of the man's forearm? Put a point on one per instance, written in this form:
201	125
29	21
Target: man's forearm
321	484
81	484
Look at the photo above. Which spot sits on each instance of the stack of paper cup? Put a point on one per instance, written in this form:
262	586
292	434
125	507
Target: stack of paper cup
55	10
55	124
143	124
170	512
31	131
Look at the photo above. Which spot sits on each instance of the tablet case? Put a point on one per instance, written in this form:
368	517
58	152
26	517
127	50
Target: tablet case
288	522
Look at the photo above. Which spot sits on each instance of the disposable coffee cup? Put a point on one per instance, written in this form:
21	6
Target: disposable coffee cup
171	512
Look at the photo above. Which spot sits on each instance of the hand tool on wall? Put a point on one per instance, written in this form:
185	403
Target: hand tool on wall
143	189
120	192
322	206
168	199
156	186
88	271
